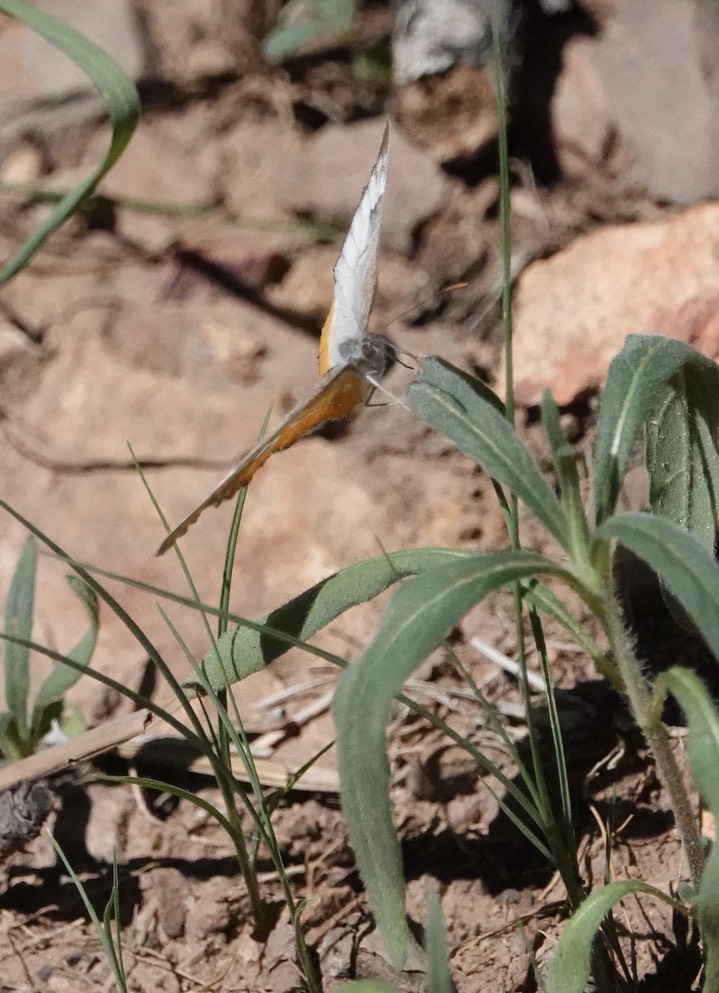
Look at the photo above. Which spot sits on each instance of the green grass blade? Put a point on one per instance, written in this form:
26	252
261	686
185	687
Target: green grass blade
635	387
570	968
681	452
439	978
468	412
565	468
64	676
104	936
678	559
421	613
243	650
19	611
123	105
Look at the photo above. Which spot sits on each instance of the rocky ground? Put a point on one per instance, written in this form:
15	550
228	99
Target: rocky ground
175	331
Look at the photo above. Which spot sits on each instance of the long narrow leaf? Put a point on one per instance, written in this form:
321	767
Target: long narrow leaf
635	387
468	412
682	564
243	650
64	676
123	107
421	613
439	978
19	611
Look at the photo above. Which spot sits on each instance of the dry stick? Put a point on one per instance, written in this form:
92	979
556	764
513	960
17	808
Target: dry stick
85	746
129	734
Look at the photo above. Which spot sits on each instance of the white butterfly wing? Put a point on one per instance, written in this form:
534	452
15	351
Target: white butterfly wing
355	272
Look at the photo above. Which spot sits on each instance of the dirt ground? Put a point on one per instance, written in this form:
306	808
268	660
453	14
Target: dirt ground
176	333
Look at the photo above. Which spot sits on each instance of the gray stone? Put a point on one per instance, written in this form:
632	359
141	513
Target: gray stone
657	64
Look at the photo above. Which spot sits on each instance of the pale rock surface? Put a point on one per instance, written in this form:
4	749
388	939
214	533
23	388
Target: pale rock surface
574	310
657	64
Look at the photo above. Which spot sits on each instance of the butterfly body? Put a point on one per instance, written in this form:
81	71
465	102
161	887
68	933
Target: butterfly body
351	360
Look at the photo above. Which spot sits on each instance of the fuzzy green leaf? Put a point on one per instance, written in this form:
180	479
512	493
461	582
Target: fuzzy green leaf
242	651
634	392
681	563
19	611
466	411
420	615
681	452
703	757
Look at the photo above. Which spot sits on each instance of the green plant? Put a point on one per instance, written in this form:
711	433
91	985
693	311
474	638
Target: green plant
107	929
123	105
650	378
22	728
327	17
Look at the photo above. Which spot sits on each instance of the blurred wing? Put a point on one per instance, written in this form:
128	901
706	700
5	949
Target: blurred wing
355	273
335	397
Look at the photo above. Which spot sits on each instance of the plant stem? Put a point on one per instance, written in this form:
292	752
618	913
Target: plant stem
638	694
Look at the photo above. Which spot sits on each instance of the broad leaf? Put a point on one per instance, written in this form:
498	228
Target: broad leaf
633	394
681	452
439	978
419	616
703	756
18	624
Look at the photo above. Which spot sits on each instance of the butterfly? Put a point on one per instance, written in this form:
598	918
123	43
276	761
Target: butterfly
351	360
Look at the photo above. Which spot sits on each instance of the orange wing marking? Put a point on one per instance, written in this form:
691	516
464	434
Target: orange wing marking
336	397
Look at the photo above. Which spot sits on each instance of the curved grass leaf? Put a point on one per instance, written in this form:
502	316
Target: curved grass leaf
635	390
466	411
123	107
703	757
682	564
565	468
439	978
570	968
242	651
419	616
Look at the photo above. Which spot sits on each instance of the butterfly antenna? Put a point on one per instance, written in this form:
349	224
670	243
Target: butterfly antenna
396	352
423	303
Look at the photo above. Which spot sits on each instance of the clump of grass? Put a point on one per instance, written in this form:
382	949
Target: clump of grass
22	727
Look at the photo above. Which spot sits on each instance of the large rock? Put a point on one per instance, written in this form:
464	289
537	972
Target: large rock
327	177
656	61
573	311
